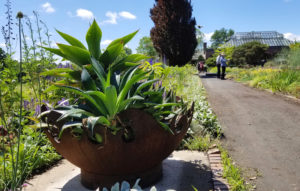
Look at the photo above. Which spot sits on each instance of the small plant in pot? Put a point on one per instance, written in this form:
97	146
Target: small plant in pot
122	123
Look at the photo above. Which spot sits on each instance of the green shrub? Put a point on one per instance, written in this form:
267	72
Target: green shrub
228	51
251	53
188	86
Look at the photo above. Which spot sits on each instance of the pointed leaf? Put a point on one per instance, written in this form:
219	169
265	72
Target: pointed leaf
166	127
68	125
110	54
166	105
98	69
87	81
135	58
82	94
73	41
145	84
111	100
129	73
124	104
129	84
93	38
72	112
56	51
124	40
100	99
77	55
93	121
130	60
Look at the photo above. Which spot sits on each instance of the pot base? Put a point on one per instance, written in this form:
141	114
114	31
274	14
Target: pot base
93	181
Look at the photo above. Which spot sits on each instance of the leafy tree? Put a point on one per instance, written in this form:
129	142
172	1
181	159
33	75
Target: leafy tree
174	33
127	50
220	37
228	51
251	53
146	47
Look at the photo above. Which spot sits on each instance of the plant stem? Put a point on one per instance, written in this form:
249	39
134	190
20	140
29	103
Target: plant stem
21	104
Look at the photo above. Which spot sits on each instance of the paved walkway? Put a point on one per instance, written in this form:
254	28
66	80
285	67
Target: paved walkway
262	132
180	171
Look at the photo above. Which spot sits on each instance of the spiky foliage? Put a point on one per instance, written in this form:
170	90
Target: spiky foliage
174	34
107	85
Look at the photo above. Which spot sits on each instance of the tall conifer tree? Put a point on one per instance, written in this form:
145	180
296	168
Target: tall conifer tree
174	33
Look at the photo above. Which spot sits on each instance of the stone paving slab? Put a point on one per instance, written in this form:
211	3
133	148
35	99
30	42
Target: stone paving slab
182	169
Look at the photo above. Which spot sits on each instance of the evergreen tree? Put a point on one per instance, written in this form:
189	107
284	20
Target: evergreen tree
174	33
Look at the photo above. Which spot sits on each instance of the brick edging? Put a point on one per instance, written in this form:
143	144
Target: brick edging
215	160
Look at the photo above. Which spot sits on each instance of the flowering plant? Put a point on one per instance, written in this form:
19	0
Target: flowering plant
106	84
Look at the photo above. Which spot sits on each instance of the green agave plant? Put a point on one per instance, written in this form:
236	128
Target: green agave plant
106	84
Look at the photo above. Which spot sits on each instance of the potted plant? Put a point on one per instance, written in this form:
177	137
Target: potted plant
122	124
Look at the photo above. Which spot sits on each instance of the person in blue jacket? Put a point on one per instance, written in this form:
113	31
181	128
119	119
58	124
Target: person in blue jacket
223	63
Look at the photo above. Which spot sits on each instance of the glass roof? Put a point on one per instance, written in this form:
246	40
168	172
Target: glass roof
271	38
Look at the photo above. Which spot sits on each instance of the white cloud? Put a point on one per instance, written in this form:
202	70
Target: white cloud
48	8
207	36
112	17
127	15
292	36
84	14
106	42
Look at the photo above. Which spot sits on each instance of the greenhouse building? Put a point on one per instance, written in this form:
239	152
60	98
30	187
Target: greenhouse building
273	39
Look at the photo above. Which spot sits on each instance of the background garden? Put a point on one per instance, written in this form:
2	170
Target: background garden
27	81
25	84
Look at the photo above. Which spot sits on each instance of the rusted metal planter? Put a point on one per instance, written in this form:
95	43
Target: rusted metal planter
117	160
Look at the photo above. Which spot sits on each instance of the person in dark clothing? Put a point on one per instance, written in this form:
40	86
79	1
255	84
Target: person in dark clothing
218	63
223	63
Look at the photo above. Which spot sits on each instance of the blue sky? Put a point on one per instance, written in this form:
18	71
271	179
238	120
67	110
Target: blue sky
121	17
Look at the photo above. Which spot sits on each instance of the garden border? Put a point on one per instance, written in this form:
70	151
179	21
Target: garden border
216	165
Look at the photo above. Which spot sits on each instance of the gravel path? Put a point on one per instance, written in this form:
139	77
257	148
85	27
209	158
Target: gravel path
262	132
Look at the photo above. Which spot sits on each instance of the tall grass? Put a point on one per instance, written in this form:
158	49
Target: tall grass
286	59
286	81
187	84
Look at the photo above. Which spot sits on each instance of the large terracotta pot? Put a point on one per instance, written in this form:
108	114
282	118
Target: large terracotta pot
116	159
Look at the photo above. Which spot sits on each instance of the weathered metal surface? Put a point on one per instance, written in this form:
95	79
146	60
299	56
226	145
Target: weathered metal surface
116	159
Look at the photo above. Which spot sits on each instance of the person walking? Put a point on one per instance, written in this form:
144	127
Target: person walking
218	63
223	63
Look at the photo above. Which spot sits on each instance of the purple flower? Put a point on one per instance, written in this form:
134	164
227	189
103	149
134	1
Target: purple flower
37	110
26	104
151	61
60	65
